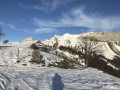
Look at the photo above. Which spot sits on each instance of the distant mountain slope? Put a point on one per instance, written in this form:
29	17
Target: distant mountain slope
67	51
104	36
108	60
68	39
65	40
74	41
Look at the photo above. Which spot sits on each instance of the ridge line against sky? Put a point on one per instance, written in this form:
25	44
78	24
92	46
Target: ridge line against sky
43	19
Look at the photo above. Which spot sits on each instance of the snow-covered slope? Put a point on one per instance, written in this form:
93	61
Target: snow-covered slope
9	54
24	78
30	76
73	41
65	40
108	53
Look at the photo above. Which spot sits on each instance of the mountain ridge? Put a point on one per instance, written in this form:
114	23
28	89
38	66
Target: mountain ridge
67	51
70	46
102	36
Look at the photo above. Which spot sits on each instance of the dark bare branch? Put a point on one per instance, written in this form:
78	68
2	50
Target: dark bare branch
90	46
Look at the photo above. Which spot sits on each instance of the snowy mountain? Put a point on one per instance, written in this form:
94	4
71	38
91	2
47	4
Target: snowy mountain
30	39
104	36
107	56
65	40
72	40
65	52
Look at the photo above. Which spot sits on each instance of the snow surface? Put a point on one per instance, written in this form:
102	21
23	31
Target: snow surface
108	53
15	76
9	55
118	47
17	44
27	78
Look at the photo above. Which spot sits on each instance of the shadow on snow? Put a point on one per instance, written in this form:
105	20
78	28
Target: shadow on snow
57	83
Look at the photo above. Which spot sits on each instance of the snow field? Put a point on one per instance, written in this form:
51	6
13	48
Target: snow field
32	77
9	56
14	78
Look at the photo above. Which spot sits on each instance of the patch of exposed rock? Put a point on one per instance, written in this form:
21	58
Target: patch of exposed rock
30	39
104	36
35	56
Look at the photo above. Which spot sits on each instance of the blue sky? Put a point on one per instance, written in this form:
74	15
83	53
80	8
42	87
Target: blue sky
42	19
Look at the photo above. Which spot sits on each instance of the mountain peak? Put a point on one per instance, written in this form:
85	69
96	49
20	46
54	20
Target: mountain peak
66	34
29	39
56	35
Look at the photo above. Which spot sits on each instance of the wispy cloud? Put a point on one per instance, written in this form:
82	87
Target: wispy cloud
11	26
27	31
47	5
78	17
44	30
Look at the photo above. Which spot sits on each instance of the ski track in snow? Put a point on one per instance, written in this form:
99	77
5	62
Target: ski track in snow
4	81
25	78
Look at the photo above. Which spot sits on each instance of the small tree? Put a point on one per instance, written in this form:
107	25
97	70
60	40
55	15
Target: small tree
5	41
1	34
56	43
89	46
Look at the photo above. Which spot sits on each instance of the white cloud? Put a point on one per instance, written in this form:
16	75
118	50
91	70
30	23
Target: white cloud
11	26
78	17
44	30
50	5
47	5
27	31
46	23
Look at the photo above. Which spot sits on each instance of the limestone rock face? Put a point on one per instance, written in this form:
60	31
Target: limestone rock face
29	39
35	56
104	36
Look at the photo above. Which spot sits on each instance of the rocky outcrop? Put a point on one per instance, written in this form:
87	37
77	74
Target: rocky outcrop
104	36
35	56
30	39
